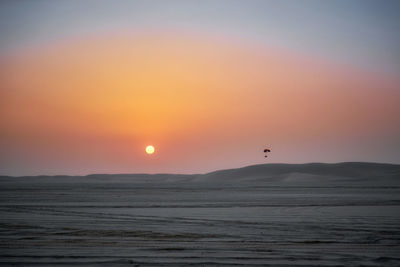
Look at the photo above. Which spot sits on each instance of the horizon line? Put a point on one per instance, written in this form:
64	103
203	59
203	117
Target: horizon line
218	170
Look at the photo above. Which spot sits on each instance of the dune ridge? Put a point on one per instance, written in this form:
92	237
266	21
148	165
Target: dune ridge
344	173
314	214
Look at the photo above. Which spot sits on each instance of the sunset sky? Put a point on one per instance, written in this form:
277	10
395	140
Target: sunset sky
85	86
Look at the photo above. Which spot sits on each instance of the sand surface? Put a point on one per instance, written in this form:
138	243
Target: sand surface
275	214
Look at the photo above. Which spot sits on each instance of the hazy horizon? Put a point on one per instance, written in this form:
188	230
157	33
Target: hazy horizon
210	171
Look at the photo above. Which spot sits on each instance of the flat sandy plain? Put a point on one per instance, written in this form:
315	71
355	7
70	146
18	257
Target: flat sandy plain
274	214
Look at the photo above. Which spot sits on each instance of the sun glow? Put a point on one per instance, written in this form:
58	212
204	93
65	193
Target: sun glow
150	150
196	96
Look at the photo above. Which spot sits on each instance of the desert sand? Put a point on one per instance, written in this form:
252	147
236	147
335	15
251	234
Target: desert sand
273	214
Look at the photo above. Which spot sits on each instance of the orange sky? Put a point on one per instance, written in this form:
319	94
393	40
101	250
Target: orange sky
92	104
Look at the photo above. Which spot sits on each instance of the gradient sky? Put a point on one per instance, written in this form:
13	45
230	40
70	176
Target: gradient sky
86	85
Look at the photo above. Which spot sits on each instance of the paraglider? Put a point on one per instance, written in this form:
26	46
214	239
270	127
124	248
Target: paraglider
266	151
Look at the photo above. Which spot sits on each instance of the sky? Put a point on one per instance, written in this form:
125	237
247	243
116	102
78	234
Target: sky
85	86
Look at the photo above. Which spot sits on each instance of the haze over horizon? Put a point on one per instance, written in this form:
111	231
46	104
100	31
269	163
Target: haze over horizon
85	86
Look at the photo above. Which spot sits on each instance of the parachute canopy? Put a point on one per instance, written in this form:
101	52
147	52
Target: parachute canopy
266	151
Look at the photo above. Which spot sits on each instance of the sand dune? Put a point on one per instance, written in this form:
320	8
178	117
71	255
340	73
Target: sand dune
273	214
377	174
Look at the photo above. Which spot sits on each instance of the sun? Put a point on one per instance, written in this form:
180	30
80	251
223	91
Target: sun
150	150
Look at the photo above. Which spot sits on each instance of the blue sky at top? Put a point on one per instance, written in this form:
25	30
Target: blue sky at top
364	33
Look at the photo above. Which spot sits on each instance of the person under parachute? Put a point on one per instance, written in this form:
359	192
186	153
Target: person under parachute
266	151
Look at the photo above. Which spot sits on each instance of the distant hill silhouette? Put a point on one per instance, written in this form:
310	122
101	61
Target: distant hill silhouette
310	174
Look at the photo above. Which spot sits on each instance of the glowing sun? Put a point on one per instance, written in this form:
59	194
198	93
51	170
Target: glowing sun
150	150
